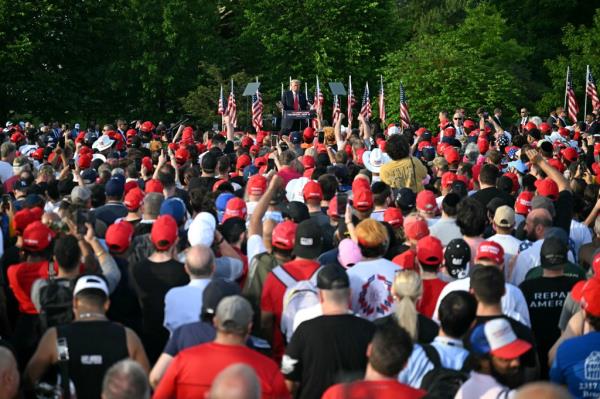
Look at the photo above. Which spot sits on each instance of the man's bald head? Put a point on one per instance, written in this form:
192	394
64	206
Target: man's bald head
200	261
544	390
540	214
237	381
537	222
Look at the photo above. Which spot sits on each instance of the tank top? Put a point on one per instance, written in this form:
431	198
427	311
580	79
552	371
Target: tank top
94	346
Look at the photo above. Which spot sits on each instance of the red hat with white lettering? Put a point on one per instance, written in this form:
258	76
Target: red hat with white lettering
284	235
37	237
426	201
490	250
134	199
257	185
312	191
394	217
523	203
547	188
235	208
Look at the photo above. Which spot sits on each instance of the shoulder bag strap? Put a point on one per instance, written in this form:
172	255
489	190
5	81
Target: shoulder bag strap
283	276
62	349
432	354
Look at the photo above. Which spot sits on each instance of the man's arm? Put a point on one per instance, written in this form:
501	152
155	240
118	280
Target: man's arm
45	355
162	364
262	206
552	173
136	350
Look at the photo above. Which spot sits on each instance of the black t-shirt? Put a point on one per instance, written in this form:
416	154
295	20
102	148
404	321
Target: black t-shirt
110	212
487	194
152	281
545	297
124	305
207	182
528	359
427	329
327	350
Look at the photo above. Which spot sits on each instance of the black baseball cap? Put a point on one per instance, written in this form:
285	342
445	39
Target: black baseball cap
332	277
216	290
406	200
295	210
309	240
553	253
457	257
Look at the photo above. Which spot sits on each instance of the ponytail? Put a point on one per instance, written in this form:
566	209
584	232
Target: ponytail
407	289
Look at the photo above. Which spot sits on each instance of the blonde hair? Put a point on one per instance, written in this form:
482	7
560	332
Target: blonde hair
407	289
371	233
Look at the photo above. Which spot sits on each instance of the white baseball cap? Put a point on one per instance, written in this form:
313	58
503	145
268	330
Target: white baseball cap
498	338
90	282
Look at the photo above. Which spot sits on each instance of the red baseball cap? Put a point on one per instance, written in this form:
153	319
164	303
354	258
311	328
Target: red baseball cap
545	127
415	227
547	188
182	155
16	137
243	161
468	124
570	154
515	180
309	134
25	217
483	145
590	297
530	126
147	127
361	183
37	236
448	178
247	141
394	217
406	260
363	200
312	191
257	185
523	203
556	164
332	210
84	161
164	232
490	250
260	161
430	251
38	154
449	132
284	235
308	162
147	163
451	155
426	201
118	236
235	208
563	131
254	149
134	199
154	186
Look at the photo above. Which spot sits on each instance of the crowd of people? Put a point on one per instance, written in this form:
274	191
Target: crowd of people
338	262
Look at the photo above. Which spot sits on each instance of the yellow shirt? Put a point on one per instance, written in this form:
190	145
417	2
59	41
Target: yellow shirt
404	173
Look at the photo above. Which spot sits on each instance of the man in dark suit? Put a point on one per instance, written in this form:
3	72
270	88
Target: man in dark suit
293	100
497	116
524	119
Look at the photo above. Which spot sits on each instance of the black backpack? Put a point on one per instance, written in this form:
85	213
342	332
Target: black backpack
56	301
441	382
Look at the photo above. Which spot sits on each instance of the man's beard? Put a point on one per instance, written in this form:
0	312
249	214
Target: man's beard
511	381
531	236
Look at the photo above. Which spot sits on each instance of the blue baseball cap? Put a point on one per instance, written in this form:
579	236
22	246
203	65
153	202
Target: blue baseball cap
175	207
115	187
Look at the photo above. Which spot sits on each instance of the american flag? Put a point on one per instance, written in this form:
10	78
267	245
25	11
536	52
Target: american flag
381	102
221	110
336	111
572	107
404	115
351	100
365	109
231	107
590	90
257	111
319	99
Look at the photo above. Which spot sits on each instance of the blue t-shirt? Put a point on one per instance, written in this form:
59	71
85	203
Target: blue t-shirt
577	365
188	335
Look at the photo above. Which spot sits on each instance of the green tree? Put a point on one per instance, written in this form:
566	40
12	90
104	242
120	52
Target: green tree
474	64
582	45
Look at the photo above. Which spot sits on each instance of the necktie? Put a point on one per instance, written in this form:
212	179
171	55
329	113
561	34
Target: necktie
296	103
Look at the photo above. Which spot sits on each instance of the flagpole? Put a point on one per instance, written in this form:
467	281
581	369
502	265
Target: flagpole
400	104
587	74
306	90
222	114
380	118
349	101
566	86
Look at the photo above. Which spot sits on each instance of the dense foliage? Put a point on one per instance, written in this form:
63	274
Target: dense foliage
80	60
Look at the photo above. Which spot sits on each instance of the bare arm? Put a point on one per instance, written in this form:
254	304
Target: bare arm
162	160
262	206
176	137
136	350
45	355
224	247
555	175
292	386
591	219
161	365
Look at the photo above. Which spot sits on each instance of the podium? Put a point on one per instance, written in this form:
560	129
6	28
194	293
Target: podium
290	116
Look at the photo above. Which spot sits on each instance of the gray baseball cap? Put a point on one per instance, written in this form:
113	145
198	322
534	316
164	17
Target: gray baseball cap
234	314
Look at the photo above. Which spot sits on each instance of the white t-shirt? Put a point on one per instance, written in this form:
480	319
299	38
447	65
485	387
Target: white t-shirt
482	386
6	171
580	234
510	245
527	260
513	302
371	282
446	230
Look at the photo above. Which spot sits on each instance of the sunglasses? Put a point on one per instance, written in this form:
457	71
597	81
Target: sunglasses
458	119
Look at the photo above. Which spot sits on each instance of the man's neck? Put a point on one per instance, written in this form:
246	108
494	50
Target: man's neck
483	185
373	375
428	275
230	339
445	216
72	275
314	208
489	310
208	174
333	309
552	273
159	257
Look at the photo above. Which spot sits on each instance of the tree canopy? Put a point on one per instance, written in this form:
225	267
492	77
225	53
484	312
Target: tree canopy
77	60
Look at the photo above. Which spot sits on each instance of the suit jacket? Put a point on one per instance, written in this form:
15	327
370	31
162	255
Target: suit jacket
288	101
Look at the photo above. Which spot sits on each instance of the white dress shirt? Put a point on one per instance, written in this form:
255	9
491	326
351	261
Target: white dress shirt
184	304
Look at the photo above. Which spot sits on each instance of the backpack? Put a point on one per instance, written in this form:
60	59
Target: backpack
441	382
56	301
298	295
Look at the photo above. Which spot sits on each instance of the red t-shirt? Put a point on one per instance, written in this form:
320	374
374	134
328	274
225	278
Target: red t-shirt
20	279
193	370
384	389
242	279
431	292
272	296
287	174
